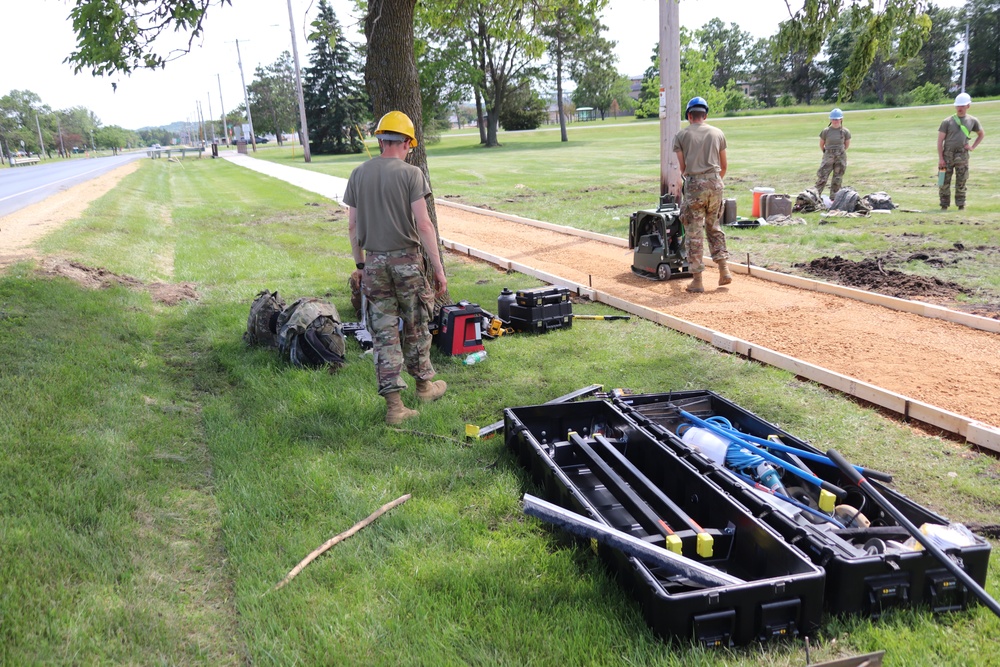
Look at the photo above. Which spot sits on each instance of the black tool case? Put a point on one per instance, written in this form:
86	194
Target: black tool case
589	459
856	582
541	296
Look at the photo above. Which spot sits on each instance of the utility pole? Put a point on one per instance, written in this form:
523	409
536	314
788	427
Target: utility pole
212	125
62	148
965	60
225	126
670	97
246	98
41	144
304	135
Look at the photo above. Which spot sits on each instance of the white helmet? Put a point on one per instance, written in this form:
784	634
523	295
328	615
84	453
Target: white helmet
962	100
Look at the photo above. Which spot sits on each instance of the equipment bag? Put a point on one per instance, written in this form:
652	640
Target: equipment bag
310	334
847	199
878	201
262	324
808	201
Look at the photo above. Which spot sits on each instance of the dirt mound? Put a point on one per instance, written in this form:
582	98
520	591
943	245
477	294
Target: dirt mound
100	278
869	275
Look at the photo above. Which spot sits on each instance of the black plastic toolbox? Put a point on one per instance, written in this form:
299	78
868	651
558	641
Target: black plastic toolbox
615	473
541	296
857	581
541	318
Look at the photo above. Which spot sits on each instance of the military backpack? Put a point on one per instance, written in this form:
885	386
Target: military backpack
262	326
310	334
808	201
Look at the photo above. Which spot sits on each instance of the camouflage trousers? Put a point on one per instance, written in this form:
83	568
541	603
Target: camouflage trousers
833	161
955	160
700	215
397	288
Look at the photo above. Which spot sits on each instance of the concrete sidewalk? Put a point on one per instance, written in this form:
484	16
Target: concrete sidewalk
331	187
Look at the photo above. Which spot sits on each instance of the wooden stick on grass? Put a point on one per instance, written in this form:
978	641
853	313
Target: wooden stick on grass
339	538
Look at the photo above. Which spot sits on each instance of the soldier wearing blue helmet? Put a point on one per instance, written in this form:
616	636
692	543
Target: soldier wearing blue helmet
701	152
834	141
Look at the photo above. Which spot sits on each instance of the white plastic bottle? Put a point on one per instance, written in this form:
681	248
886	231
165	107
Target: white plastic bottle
707	443
474	358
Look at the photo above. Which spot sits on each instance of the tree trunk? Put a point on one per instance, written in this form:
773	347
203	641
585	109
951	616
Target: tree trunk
391	78
479	117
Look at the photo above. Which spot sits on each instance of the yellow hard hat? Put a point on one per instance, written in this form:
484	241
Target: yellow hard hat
397	122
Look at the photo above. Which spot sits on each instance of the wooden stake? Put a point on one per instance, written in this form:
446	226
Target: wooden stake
339	538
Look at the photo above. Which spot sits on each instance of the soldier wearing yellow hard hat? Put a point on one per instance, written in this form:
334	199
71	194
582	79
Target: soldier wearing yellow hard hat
388	224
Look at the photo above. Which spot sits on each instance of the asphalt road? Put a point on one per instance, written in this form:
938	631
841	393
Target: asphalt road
28	184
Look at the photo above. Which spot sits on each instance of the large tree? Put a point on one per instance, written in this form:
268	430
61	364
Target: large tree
592	67
936	53
983	76
503	44
273	99
335	100
903	23
730	45
572	34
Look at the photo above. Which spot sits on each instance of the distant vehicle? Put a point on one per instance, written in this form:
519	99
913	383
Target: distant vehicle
262	140
156	147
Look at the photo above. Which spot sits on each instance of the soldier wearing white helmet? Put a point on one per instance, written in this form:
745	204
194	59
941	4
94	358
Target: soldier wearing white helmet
954	148
834	141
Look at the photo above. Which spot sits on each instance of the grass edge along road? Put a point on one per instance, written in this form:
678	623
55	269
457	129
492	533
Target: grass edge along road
113	403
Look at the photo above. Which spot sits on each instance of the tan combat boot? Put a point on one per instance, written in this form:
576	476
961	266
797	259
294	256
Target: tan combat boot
696	285
725	277
395	411
428	391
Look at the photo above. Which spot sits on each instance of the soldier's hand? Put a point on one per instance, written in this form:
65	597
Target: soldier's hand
441	280
357	275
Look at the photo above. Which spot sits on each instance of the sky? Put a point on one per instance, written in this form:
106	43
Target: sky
38	36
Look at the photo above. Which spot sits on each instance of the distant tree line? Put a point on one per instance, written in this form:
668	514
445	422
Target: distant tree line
23	117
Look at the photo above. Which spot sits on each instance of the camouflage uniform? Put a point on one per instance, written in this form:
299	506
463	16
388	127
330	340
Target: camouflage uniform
834	141
396	287
700	216
956	160
834	160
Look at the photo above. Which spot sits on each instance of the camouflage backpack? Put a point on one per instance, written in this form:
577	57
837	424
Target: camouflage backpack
309	332
808	201
847	199
262	324
878	200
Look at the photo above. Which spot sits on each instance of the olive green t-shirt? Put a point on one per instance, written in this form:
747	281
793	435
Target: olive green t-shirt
953	136
700	144
382	190
835	138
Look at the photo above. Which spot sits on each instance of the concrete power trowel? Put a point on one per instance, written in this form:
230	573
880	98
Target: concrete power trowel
657	239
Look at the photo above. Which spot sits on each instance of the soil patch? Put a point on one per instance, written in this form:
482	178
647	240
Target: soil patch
100	278
870	275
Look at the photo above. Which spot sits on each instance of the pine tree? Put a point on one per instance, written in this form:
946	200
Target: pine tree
334	95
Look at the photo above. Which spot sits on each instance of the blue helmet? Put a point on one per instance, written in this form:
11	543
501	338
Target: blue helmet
695	103
836	114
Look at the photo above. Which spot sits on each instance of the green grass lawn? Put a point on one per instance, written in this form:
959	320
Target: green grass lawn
157	477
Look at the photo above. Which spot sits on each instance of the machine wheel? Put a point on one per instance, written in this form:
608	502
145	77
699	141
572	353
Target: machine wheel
663	272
